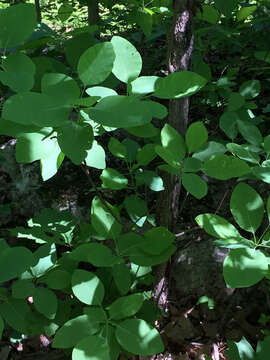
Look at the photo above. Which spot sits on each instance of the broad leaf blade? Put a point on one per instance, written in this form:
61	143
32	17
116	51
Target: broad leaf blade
128	62
244	267
179	84
247	207
138	337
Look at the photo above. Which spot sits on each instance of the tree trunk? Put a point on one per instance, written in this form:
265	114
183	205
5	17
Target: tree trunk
93	13
180	48
38	11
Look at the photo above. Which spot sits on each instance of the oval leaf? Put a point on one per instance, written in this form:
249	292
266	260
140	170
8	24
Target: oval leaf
224	167
179	84
96	63
247	207
22	260
195	185
128	62
73	331
244	267
126	306
87	287
196	136
92	348
138	337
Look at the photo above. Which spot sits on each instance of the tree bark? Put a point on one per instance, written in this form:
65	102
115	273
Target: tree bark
93	12
180	48
38	11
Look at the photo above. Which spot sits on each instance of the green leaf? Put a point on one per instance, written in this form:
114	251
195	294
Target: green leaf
132	148
266	143
112	179
92	348
47	258
208	13
263	348
150	178
157	240
58	279
218	227
139	257
262	55
244	267
19	71
87	287
144	18
96	314
122	278
268	208
17	23
262	173
250	89
226	8
50	165
179	84
96	63
144	85
224	167
195	185
250	132
243	153
116	148
136	209
100	91
209	149
21	289
61	86
76	46
22	260
241	350
103	220
100	255
245	12
14	312
45	302
31	147
196	136
125	306
138	337
146	154
32	108
173	141
74	139
15	130
157	110
121	112
128	242
173	148
191	165
65	11
235	102
2	326
228	124
96	156
145	131
128	62
73	331
247	207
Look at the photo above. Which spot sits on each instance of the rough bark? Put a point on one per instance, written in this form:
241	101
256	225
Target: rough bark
179	58
93	12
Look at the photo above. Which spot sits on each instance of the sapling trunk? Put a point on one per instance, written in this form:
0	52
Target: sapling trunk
180	46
